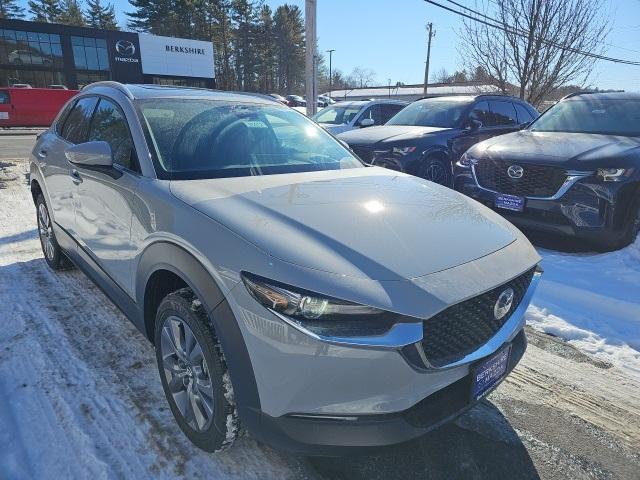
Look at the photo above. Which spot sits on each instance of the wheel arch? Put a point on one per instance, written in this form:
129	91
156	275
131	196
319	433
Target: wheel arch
165	265
36	190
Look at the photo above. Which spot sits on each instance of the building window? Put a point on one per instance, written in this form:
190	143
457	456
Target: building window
85	78
90	53
30	48
35	78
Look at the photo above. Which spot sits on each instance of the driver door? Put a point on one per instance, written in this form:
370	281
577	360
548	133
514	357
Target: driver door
105	198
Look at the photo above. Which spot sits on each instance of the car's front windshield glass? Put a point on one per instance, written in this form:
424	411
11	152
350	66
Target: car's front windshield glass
337	114
431	112
592	115
200	138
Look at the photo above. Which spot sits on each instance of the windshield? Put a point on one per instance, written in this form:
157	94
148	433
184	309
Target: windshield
337	114
196	139
432	112
592	115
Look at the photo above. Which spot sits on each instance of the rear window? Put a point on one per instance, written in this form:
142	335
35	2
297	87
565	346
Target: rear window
4	97
592	115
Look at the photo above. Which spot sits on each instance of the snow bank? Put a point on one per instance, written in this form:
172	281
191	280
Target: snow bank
593	302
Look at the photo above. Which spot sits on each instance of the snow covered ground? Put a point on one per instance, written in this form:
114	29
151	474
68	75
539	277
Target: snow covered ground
593	302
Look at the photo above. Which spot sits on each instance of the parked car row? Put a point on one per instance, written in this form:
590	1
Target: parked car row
298	101
573	171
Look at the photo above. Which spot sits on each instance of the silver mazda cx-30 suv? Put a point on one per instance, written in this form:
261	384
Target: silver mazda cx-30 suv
322	304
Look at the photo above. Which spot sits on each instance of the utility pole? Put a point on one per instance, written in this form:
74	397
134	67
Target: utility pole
310	57
330	52
432	33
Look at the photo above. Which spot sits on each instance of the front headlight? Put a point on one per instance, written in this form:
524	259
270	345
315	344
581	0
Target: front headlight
320	314
613	174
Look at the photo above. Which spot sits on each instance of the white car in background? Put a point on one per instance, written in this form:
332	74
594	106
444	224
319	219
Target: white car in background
344	116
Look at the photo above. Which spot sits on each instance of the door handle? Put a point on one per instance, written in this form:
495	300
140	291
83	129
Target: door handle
42	154
75	176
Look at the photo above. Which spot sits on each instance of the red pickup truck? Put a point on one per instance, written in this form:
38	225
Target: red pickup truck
31	107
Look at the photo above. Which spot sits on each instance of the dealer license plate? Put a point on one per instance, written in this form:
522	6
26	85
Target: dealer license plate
487	374
510	202
4	115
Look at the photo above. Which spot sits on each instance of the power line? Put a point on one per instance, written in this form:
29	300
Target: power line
491	22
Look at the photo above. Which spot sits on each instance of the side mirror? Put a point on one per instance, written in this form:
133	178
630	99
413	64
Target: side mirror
91	154
474	124
366	122
524	125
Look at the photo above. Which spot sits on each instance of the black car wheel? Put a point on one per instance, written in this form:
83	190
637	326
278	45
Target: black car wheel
436	169
194	373
53	254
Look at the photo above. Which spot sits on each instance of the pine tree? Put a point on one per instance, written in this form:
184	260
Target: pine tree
265	50
10	9
45	11
101	16
289	38
71	14
244	16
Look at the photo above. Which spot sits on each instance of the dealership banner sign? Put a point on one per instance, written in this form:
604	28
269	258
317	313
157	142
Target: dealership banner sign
176	56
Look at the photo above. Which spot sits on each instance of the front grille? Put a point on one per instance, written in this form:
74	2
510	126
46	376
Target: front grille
463	328
536	181
364	153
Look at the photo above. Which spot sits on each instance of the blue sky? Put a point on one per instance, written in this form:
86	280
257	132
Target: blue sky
390	38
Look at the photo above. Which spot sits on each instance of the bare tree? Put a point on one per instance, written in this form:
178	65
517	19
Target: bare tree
536	47
441	76
362	77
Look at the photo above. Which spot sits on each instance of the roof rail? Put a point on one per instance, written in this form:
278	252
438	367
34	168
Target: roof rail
109	83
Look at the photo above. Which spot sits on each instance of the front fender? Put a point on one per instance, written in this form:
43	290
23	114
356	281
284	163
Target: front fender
167	256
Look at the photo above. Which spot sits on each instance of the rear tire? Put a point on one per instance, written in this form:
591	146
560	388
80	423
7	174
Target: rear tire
53	254
194	372
436	169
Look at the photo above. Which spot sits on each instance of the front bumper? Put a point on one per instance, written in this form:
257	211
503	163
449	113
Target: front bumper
353	434
326	395
589	209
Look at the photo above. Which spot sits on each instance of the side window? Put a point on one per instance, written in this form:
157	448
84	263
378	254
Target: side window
482	113
4	97
109	125
503	113
524	116
368	113
63	116
75	126
389	110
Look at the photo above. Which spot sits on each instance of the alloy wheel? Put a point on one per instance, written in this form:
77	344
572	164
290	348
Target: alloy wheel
46	232
436	173
187	373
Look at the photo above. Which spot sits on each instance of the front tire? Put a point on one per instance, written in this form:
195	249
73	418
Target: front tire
436	169
53	254
194	372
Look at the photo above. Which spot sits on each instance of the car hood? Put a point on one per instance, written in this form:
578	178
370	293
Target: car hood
366	222
385	133
575	151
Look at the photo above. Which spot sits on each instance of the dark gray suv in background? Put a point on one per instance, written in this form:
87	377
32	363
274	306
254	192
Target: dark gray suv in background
429	136
574	172
323	304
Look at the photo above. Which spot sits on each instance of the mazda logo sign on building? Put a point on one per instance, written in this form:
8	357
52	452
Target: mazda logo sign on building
125	48
515	171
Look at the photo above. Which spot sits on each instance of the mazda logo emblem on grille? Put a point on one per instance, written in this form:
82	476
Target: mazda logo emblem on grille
503	304
125	48
515	171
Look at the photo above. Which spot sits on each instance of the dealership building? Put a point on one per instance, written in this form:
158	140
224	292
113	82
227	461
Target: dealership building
45	54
